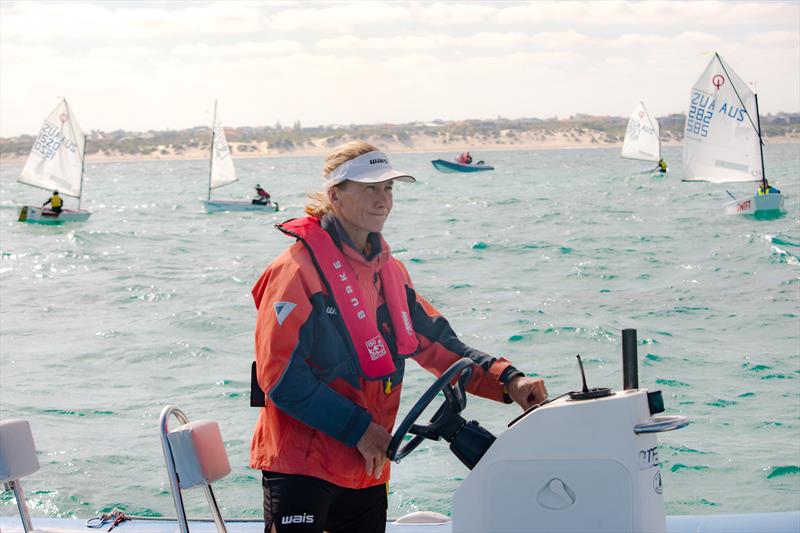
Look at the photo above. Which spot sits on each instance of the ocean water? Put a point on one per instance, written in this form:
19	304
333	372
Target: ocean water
147	304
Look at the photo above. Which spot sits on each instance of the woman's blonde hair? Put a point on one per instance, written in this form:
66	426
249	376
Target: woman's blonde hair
317	203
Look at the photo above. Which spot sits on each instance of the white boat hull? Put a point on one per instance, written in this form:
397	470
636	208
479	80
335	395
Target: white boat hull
765	203
39	215
215	206
784	522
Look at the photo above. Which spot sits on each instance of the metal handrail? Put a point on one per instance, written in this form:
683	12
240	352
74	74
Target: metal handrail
19	494
173	474
661	423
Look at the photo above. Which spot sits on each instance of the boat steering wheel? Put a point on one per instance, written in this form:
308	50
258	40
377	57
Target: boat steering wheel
441	424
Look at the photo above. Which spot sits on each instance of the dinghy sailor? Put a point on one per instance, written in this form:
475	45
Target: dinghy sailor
262	196
766	188
662	165
338	318
56	203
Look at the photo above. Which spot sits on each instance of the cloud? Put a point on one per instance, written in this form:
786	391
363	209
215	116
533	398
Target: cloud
774	38
11	54
477	43
338	18
439	15
636	41
429	41
32	22
652	14
161	65
237	50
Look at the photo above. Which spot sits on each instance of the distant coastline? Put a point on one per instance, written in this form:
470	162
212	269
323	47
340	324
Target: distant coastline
448	137
319	148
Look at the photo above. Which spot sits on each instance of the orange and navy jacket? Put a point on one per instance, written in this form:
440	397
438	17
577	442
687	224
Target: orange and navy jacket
317	404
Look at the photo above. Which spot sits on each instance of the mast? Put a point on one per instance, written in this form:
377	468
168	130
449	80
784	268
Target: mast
761	147
211	156
741	102
83	157
654	125
83	152
659	142
758	118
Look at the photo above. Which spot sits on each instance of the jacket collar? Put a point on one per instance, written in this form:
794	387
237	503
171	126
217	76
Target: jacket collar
379	248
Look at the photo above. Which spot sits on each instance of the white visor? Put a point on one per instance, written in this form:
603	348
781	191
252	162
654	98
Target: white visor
372	167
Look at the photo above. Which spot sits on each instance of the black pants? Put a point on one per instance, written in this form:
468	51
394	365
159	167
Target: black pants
311	505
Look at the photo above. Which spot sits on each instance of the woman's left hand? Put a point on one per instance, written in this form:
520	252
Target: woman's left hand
526	391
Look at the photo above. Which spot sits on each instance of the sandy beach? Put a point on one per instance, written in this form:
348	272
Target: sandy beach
529	140
418	143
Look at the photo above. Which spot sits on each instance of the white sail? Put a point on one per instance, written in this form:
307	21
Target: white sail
641	137
721	139
56	159
222	170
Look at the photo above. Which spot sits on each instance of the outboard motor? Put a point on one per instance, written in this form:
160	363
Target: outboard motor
586	461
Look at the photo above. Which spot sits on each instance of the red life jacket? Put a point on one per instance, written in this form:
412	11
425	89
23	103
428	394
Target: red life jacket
372	352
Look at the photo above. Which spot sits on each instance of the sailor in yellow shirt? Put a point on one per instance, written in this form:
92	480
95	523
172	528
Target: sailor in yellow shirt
55	201
766	188
662	165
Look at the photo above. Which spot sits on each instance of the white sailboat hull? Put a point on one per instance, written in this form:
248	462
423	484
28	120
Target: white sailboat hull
788	522
755	204
214	206
39	215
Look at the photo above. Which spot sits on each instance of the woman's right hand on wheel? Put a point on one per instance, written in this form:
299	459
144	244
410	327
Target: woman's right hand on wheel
373	446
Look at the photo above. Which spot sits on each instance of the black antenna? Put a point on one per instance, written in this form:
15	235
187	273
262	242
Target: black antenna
583	374
587	393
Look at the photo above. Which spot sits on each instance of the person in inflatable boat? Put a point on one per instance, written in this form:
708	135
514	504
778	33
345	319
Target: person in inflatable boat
337	320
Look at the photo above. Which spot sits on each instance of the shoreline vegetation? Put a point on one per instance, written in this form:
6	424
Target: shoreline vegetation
477	136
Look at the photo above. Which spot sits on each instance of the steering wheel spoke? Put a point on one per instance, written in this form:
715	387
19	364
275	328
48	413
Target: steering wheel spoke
455	400
425	431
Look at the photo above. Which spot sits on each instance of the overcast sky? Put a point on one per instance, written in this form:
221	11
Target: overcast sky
158	65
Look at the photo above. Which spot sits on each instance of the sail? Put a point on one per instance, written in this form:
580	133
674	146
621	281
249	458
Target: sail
222	169
721	139
641	137
56	159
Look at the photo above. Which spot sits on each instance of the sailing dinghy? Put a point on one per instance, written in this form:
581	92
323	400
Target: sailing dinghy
723	141
222	172
642	141
56	163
